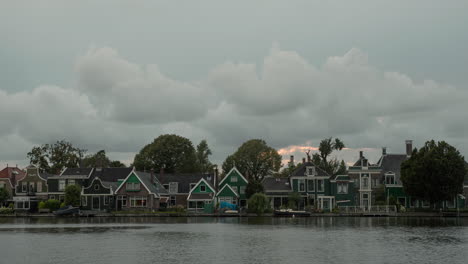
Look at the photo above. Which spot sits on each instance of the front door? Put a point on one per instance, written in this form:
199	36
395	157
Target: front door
96	203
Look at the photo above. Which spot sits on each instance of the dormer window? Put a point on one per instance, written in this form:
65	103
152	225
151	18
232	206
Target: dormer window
390	178
311	171
234	178
173	187
202	188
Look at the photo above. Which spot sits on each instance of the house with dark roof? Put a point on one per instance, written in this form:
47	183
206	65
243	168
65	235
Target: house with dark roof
179	185
140	191
8	178
311	182
69	176
99	192
31	189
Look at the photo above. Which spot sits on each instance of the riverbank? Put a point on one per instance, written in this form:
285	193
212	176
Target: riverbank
159	214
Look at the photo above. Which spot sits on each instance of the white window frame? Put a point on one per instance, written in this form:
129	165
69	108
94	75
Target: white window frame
202	188
134	199
39	186
71	182
242	189
313	185
173	187
122	198
84	200
132	186
321	185
61	185
234	178
299	182
342	188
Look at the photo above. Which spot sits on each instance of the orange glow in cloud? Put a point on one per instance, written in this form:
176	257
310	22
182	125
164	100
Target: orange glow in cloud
293	149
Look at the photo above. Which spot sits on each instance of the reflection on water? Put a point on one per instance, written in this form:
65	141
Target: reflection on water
233	240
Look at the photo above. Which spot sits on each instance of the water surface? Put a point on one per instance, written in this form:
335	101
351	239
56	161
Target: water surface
233	240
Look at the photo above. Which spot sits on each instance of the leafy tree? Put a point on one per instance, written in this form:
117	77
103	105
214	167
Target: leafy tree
4	195
255	159
435	173
321	159
293	200
253	187
258	203
203	152
54	157
100	159
72	195
171	152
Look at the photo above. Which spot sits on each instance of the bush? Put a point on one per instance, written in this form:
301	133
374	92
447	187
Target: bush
72	195
42	205
258	203
179	209
52	204
62	205
6	210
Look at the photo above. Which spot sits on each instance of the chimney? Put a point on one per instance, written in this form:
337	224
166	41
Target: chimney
303	160
409	147
384	151
215	176
361	154
291	161
152	176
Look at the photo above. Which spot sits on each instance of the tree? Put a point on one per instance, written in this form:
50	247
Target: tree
72	195
255	159
4	195
100	159
258	203
171	152
54	157
253	187
203	152
435	173
321	159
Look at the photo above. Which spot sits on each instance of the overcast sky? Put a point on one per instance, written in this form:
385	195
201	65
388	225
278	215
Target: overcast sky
114	75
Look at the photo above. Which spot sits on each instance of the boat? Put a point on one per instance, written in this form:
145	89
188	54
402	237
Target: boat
67	210
290	212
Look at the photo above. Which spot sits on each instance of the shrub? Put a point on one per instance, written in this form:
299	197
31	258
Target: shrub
62	205
6	210
42	205
258	203
72	195
179	209
52	204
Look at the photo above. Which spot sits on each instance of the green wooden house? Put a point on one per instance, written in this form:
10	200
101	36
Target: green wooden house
232	188
201	197
342	187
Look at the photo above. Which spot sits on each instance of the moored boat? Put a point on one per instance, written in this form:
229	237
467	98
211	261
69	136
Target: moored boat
67	210
290	212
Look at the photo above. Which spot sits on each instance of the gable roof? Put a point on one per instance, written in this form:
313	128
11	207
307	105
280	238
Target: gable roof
234	169
151	185
76	172
301	171
184	180
229	187
9	172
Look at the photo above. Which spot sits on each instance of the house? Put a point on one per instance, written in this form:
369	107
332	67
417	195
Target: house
312	183
140	191
367	180
31	189
342	187
8	178
69	176
178	185
201	197
99	192
232	188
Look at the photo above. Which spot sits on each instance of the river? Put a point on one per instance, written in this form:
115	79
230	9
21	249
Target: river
233	240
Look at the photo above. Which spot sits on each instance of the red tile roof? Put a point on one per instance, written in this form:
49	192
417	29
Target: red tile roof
8	171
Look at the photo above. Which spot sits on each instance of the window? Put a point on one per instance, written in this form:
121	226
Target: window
173	187
39	186
364	181
320	185
242	190
374	183
133	186
96	187
2	185
24	187
84	201
234	178
71	182
342	187
310	185
301	185
192	185
52	197
389	179
172	200
137	201
61	185
106	200
22	204
202	188
310	171
31	187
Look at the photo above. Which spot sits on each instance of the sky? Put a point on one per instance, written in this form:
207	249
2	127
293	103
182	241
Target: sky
114	75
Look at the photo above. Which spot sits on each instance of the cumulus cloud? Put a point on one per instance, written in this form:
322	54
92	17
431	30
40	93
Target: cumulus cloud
120	105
